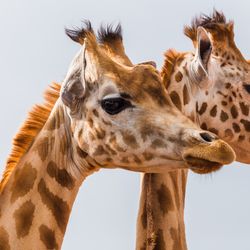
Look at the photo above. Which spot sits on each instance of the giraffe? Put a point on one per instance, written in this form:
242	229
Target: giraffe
105	115
211	87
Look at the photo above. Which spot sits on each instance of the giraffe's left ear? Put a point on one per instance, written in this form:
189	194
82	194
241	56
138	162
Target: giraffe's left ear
203	49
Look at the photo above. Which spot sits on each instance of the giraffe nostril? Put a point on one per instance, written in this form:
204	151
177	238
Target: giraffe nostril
207	137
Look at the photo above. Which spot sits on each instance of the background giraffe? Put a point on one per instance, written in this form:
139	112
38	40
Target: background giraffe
60	145
34	51
211	86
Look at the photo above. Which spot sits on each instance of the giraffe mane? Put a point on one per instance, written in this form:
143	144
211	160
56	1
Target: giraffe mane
215	20
33	124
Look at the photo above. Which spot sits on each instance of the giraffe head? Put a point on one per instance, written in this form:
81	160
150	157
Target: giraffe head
121	115
222	74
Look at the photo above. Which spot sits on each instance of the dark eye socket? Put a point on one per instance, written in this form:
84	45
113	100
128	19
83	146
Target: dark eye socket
114	106
247	87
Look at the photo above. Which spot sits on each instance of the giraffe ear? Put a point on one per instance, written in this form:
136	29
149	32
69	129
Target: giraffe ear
204	49
74	85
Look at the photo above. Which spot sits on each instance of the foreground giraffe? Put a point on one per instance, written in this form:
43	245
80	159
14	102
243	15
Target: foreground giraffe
107	115
211	86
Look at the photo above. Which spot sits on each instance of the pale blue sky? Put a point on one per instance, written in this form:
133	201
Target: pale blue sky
34	51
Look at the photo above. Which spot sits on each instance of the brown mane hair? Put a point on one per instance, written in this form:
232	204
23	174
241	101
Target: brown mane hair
29	130
216	21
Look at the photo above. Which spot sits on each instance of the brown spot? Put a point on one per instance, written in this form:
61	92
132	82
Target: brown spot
137	159
202	109
23	181
229	133
246	124
244	108
81	153
60	175
241	138
99	150
148	156
95	113
129	139
234	111
58	207
234	94
43	148
165	199
178	76
223	116
24	216
48	238
236	127
176	99
125	160
158	143
186	97
4	239
100	133
175	234
228	85
90	122
213	111
204	126
146	131
224	103
160	242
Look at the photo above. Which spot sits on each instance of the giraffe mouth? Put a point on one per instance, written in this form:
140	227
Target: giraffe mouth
202	166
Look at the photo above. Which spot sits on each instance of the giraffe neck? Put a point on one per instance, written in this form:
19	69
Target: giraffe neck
36	202
160	223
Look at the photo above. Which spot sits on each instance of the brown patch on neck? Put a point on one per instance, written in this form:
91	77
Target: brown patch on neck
30	129
4	239
60	175
48	238
44	146
23	218
176	100
58	207
172	58
165	199
24	180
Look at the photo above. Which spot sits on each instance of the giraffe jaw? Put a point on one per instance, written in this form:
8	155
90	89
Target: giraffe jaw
202	166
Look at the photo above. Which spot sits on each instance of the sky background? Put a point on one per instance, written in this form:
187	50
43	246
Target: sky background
35	51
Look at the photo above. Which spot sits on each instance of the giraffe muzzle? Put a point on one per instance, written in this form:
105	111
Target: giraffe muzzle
208	157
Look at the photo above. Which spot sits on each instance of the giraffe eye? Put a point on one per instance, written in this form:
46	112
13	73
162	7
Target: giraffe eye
114	106
247	88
